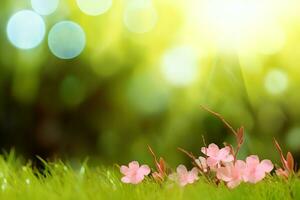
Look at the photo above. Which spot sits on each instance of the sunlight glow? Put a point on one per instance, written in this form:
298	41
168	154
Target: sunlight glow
238	24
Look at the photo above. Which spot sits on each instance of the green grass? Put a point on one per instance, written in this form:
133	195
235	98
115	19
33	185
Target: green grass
59	181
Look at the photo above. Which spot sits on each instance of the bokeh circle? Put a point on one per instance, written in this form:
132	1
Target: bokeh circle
44	7
66	40
26	29
140	16
94	7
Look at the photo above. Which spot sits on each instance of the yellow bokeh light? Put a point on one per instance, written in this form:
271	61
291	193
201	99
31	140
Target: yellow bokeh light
180	66
94	7
140	16
276	82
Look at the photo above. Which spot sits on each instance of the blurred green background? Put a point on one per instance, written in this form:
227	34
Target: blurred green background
145	69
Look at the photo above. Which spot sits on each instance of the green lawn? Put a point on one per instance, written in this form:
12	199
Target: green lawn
19	181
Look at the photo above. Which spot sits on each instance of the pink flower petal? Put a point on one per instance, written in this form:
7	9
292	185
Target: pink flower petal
223	173
202	160
181	169
203	163
211	162
184	176
139	177
233	184
125	179
136	179
144	170
228	158
124	169
134	174
266	166
223	152
212	150
252	160
240	164
194	172
134	165
204	150
232	173
256	171
259	175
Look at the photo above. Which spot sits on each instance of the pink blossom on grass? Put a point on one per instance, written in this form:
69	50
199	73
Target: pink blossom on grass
202	163
232	173
134	173
183	176
216	155
255	170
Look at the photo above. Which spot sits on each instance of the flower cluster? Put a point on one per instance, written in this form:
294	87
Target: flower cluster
218	161
215	164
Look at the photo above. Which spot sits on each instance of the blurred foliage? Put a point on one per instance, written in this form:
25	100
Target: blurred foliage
128	89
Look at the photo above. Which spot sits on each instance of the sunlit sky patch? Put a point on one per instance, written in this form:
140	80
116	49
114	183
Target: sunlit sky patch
94	7
66	40
44	7
26	29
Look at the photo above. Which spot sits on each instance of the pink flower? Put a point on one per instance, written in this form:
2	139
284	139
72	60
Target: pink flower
183	176
232	173
255	171
134	174
216	155
202	163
